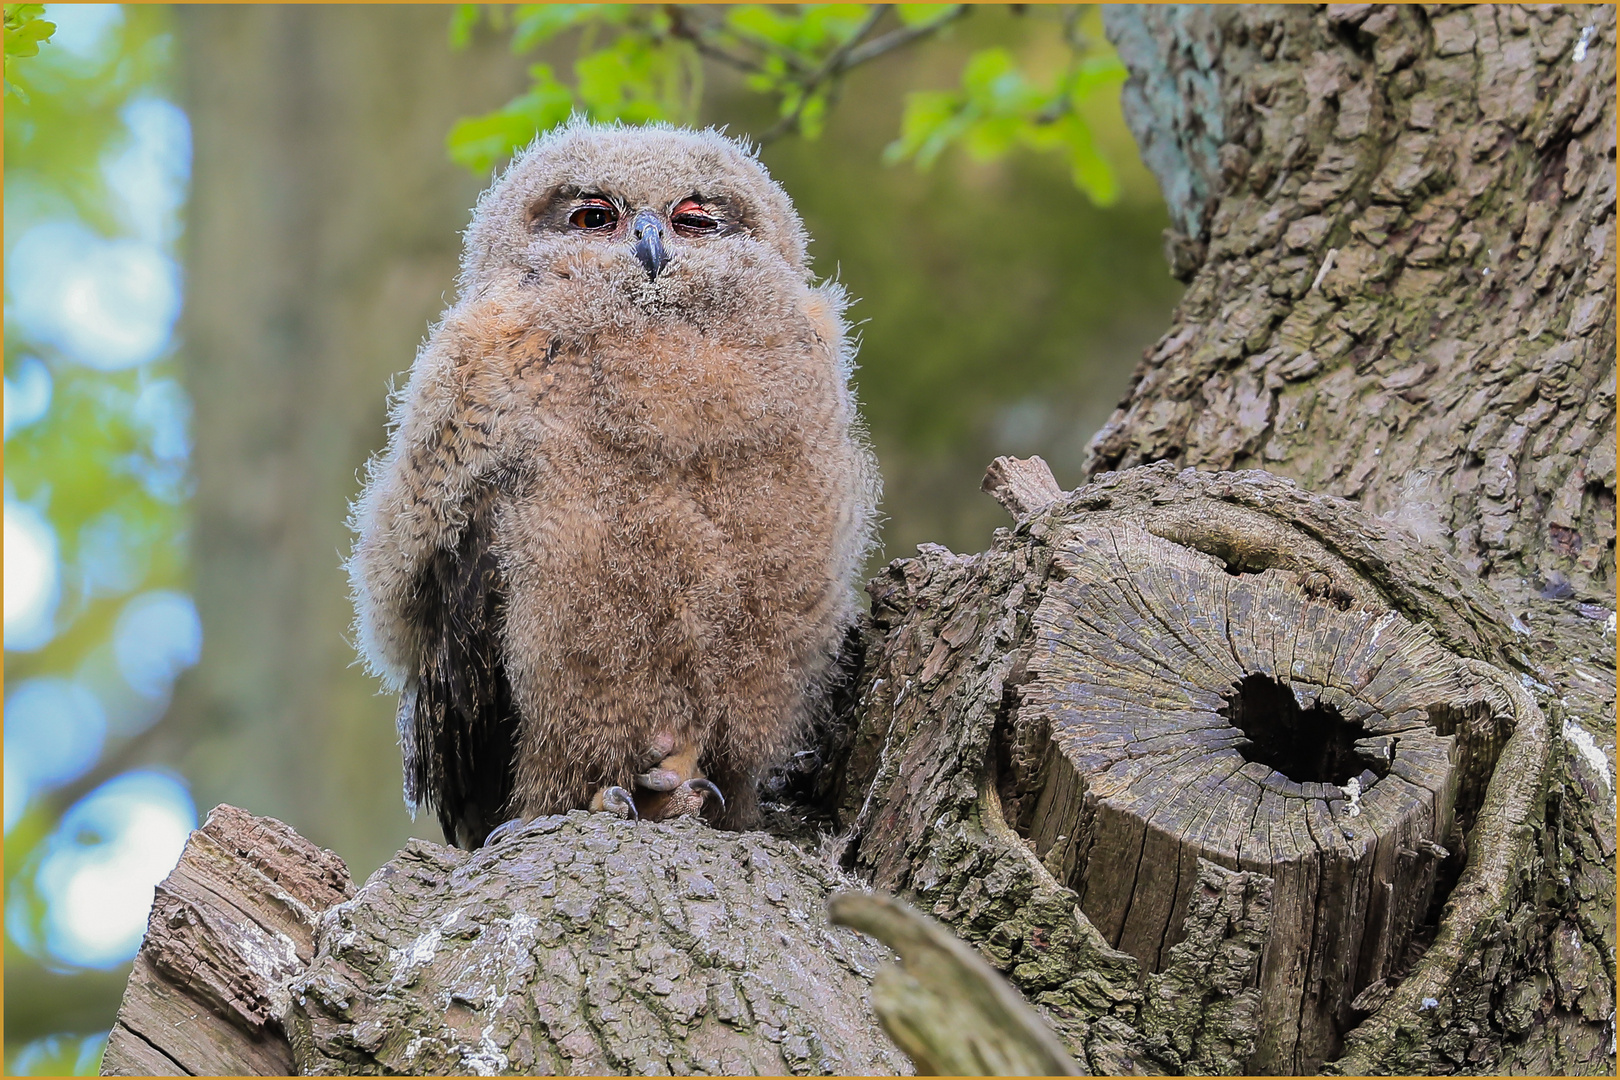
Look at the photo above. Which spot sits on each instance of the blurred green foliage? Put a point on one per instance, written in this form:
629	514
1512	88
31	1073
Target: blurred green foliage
85	465
999	107
645	63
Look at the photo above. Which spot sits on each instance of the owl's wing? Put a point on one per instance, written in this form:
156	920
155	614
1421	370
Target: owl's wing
462	726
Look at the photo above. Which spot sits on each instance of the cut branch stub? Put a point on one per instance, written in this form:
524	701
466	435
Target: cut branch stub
1191	712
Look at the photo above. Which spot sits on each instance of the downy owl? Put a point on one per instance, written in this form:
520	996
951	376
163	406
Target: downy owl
608	555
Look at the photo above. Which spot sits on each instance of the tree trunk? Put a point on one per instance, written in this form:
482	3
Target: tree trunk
1096	750
1397	224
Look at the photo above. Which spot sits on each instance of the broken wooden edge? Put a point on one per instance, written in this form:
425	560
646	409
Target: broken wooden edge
1181	711
1023	486
231	926
1498	848
948	1009
1335	537
1220	516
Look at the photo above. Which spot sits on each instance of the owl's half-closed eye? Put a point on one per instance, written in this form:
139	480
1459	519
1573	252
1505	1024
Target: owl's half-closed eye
648	230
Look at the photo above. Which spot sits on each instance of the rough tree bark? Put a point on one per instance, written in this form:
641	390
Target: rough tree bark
980	670
1398	228
1397	225
1080	749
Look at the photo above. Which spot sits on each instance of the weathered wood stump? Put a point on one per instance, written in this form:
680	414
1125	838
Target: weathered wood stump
1165	674
230	927
1190	712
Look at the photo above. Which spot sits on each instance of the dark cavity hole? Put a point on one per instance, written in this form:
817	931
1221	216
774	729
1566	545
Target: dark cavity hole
1309	746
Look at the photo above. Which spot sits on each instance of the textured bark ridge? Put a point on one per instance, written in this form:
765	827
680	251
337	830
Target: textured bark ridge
590	945
1046	756
230	927
1397	224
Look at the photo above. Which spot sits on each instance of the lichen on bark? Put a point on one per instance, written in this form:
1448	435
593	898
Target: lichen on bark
586	944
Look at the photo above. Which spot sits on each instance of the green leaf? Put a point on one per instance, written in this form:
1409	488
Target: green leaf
536	24
1097	73
985	68
24	31
764	22
477	142
633	80
926	113
924	14
813	118
825	25
991	138
462	21
1091	171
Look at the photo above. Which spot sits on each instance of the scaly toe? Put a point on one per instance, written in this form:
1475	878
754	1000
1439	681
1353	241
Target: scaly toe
698	785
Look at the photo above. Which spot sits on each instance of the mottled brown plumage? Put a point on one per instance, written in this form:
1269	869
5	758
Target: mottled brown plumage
617	524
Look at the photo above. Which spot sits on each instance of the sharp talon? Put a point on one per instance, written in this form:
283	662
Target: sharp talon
700	784
619	801
503	830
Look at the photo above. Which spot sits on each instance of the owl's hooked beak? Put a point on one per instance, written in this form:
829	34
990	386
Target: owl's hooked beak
647	232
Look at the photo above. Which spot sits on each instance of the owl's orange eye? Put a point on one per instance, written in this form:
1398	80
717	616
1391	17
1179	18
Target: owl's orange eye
594	215
690	219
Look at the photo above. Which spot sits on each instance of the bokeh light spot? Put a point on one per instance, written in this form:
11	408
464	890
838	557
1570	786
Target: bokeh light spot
148	175
84	30
109	304
54	732
104	861
157	637
28	394
32	578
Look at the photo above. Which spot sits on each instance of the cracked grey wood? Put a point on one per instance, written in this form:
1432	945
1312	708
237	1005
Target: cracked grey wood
230	926
1129	671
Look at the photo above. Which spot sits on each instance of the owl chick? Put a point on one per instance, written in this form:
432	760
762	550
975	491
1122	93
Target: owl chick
607	556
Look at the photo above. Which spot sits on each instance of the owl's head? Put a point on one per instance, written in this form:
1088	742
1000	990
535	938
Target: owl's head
640	221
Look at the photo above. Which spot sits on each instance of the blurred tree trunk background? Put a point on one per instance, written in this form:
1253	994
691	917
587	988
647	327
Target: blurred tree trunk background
323	237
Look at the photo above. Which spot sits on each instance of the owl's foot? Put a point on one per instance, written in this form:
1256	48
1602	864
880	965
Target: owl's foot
687	798
615	800
674	787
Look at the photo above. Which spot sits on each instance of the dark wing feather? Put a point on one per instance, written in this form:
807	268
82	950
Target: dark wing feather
464	723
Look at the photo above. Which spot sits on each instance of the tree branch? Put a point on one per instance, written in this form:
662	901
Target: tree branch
837	63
